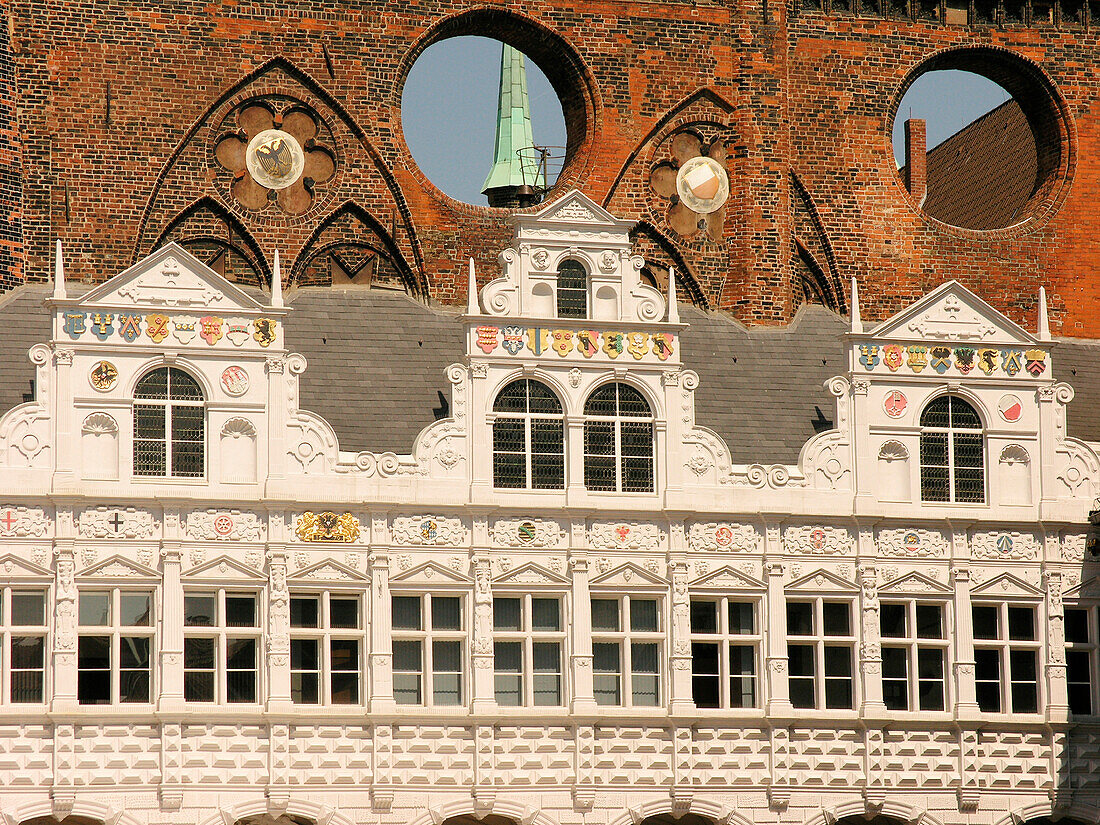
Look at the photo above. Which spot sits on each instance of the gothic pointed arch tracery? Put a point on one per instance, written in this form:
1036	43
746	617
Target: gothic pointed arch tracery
216	237
337	163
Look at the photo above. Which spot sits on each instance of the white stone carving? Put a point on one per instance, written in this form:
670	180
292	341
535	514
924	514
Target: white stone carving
526	533
430	530
913	543
624	535
224	525
1004	545
724	536
952	320
1073	547
116	522
817	540
23	522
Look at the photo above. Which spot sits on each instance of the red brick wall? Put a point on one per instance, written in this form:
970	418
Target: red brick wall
799	93
11	227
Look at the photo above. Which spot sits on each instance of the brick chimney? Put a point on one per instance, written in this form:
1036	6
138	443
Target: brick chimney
916	158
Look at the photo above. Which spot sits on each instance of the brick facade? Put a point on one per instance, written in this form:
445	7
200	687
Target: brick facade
120	106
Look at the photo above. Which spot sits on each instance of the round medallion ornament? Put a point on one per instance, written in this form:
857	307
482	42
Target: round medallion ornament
723	536
526	532
104	375
703	185
275	159
911	541
235	381
817	539
895	403
1010	408
223	525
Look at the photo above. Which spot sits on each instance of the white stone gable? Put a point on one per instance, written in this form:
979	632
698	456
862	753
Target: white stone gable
171	278
951	312
574	207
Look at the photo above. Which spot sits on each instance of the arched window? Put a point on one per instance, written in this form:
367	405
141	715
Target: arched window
528	438
572	290
169	425
618	440
952	452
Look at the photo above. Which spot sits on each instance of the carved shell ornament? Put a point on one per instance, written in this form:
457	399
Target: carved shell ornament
275	151
695	183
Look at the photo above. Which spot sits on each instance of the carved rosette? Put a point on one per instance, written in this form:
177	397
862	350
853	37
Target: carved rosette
724	536
1004	545
224	525
526	533
912	543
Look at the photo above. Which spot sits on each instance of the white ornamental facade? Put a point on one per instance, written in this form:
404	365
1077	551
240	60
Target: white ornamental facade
566	604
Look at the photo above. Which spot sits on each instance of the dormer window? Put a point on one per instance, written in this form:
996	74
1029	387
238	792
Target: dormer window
528	437
572	290
618	440
169	425
952	452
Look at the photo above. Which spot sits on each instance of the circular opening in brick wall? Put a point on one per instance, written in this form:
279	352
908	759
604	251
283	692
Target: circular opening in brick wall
450	86
981	139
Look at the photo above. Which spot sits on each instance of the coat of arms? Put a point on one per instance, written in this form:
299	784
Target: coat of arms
129	327
662	345
74	324
103	325
563	341
156	327
1036	361
512	339
613	343
265	331
1011	360
637	344
210	329
869	355
184	329
588	342
918	358
987	361
538	340
487	339
892	356
327	527
964	359
941	359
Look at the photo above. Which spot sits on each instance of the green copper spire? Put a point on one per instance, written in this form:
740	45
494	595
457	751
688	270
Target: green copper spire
513	128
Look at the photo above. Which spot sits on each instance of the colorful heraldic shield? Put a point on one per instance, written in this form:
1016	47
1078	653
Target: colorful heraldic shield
327	527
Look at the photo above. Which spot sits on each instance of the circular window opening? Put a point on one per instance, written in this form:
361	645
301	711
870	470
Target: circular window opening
484	123
978	138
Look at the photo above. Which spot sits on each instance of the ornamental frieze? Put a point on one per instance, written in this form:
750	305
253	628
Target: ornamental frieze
817	541
116	522
912	543
131	327
624	536
225	525
1005	545
327	526
514	339
429	530
23	522
940	359
526	533
734	538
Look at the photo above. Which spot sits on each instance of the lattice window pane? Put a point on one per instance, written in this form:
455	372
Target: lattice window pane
572	289
631	402
542	399
599	438
153	385
513	398
602	402
964	416
150	458
938	413
187	459
637	475
548	472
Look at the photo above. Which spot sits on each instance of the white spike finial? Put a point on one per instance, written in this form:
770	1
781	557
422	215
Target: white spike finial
276	283
472	307
857	323
58	273
1044	319
673	310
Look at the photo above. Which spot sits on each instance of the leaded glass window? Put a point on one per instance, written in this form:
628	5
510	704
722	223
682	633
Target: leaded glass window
528	438
572	290
952	452
169	425
618	440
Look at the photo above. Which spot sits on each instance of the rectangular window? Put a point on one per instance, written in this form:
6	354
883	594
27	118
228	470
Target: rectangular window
326	643
23	626
114	647
820	653
914	656
429	639
1082	658
1006	656
725	645
221	646
528	639
626	651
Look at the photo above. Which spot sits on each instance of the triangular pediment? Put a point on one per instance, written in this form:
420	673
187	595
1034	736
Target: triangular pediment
823	581
329	571
118	567
171	278
13	567
1088	589
431	573
573	207
629	575
727	578
951	312
915	583
530	573
1006	585
223	568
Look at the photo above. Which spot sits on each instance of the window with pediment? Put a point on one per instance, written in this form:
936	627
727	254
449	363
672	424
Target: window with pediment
952	452
528	437
169	425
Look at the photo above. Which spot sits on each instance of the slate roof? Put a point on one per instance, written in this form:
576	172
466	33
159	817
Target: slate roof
377	361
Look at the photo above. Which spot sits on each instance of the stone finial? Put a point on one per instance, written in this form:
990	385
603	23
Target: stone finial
276	282
1044	319
673	310
472	307
857	323
58	273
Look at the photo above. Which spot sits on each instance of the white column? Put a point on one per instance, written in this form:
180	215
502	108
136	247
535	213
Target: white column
966	701
171	634
584	701
278	631
574	458
381	648
64	636
870	648
1057	689
680	698
484	694
774	625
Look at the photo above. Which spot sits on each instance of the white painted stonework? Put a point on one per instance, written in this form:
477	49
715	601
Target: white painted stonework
845	524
